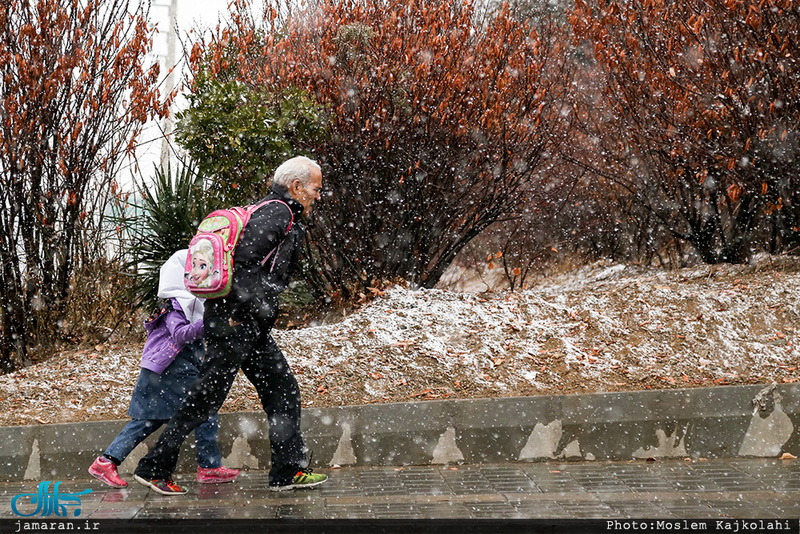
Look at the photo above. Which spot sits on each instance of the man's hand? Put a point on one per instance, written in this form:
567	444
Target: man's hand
232	322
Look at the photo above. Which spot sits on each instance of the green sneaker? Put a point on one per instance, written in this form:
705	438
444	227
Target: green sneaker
303	479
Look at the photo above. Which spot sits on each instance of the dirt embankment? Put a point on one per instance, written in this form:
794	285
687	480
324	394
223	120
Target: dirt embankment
597	329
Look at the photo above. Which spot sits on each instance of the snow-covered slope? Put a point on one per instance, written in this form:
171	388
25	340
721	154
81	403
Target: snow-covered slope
599	328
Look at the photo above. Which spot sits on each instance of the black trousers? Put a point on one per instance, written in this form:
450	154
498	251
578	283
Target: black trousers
229	349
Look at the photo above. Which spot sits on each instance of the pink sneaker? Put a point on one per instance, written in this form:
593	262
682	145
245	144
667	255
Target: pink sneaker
104	470
216	475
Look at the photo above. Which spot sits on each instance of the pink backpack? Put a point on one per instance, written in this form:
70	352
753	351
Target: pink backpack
209	265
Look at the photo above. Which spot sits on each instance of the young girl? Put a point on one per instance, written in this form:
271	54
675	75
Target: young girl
171	360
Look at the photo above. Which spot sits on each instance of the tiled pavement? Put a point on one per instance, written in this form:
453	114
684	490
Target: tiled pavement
665	489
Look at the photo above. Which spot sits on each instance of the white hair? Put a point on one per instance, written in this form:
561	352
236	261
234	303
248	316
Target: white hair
297	168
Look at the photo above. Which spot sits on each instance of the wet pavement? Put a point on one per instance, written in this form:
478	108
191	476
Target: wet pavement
666	489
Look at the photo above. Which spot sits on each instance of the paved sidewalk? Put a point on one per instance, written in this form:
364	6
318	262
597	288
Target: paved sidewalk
667	489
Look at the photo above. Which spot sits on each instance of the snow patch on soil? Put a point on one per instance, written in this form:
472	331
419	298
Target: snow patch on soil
598	328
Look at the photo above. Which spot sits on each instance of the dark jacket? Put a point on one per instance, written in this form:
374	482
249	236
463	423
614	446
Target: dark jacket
256	283
158	396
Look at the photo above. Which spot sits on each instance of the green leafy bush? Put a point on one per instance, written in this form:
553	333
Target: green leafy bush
237	134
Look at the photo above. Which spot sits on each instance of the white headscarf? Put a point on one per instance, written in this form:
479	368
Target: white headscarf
170	285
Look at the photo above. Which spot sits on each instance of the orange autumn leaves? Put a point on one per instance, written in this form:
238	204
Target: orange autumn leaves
65	65
713	83
77	85
432	55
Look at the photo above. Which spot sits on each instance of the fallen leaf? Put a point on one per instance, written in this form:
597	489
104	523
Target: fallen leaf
404	344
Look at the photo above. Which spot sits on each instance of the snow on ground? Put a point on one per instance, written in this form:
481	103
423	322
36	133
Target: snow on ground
596	329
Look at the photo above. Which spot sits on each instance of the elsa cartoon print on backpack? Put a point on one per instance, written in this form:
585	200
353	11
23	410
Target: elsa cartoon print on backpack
203	273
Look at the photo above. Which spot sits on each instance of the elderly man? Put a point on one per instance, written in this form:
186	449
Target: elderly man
237	333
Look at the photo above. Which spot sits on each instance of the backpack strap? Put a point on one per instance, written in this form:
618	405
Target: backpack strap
253	208
274	252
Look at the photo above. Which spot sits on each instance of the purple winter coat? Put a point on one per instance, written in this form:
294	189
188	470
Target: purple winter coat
167	334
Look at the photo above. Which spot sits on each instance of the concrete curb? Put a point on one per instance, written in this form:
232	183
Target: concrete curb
719	422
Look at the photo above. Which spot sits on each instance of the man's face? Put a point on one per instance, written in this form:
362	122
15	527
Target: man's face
309	193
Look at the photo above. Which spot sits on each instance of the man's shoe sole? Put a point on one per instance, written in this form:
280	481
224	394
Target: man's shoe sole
153	487
288	487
